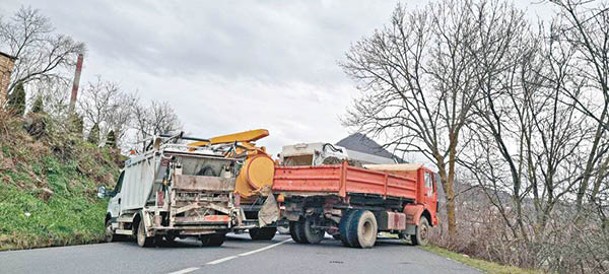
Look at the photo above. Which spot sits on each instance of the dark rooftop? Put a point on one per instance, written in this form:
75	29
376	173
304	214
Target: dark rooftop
361	143
8	56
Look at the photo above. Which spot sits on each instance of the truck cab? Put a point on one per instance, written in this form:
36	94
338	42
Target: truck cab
172	190
315	154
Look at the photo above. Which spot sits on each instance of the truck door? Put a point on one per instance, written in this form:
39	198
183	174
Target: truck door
431	197
115	201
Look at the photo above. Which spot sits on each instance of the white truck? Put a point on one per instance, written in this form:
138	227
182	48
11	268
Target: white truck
173	190
315	154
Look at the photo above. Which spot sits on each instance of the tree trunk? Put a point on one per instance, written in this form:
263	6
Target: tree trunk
447	181
450	212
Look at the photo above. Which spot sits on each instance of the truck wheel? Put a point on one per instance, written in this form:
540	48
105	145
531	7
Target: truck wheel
142	240
312	235
216	239
264	233
170	238
344	227
109	233
296	232
362	229
421	233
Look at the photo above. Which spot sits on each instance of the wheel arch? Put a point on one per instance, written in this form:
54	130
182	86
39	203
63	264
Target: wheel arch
427	215
414	212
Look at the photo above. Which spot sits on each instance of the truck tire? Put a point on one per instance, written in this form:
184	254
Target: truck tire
312	235
170	238
421	233
263	233
216	239
362	229
142	240
297	233
109	233
344	227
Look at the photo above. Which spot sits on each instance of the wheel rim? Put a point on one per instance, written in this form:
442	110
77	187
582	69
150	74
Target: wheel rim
141	235
109	232
367	229
315	231
423	232
312	235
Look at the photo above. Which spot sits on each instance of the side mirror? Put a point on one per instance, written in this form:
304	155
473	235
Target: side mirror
102	192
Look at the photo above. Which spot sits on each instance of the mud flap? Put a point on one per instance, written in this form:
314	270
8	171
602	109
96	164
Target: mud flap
269	213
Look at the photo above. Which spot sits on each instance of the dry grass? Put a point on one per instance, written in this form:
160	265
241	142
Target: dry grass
482	265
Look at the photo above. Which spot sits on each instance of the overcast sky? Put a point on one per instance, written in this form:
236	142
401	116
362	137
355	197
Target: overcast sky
227	66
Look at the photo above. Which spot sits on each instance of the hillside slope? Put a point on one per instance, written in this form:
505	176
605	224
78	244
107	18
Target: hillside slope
48	186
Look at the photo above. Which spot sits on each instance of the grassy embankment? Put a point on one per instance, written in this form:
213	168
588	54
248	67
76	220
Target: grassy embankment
48	189
482	265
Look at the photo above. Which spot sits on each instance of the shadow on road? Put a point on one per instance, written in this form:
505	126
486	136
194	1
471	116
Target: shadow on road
178	243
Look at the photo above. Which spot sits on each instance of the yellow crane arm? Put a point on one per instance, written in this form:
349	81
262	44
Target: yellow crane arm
244	137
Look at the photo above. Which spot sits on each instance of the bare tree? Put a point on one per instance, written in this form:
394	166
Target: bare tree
102	103
120	115
158	118
418	78
41	53
537	136
585	28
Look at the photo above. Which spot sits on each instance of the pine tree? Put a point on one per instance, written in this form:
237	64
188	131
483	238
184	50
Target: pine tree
111	139
94	135
16	100
38	105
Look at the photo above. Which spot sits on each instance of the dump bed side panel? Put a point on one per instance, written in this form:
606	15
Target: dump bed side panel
342	180
403	187
307	179
137	183
365	182
359	180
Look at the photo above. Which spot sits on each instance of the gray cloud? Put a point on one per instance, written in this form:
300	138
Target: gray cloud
227	65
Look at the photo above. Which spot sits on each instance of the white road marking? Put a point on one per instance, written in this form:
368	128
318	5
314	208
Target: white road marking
223	260
186	270
191	269
248	253
264	248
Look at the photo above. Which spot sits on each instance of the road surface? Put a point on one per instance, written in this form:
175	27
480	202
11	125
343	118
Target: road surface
238	255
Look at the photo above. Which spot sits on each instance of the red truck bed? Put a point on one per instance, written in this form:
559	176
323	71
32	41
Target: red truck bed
344	179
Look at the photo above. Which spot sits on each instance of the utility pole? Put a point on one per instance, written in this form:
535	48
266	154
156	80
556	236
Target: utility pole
76	82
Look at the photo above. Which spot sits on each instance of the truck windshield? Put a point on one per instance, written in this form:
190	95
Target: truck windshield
301	160
429	184
119	184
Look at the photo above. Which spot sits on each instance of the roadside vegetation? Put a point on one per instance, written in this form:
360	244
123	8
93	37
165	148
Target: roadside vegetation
48	189
514	115
55	152
482	265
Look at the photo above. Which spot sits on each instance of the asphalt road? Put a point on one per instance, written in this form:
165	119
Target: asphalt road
238	255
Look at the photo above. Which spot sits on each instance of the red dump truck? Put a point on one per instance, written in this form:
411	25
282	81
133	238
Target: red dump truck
353	204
